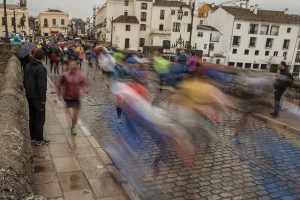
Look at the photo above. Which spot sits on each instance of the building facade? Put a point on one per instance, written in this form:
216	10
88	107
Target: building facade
53	22
158	23
17	19
257	39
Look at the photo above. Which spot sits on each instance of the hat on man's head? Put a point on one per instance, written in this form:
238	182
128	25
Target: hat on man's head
182	52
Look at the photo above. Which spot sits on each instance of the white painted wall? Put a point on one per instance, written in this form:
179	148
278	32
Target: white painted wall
119	39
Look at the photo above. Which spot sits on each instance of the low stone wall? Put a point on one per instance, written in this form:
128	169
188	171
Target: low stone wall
258	87
15	145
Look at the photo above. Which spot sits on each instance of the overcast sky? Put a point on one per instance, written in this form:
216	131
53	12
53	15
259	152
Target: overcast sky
84	8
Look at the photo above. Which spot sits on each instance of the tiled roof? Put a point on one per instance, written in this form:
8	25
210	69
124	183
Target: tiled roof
54	10
13	6
262	15
169	3
126	19
205	27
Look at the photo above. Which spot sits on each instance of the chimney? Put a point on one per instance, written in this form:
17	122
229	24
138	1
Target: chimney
255	9
251	8
286	11
213	5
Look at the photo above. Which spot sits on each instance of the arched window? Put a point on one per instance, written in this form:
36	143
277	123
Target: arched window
176	27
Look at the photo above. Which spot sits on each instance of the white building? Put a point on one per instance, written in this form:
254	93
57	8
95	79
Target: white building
209	40
255	38
157	21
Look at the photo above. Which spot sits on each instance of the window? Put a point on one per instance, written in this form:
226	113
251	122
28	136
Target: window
275	53
142	27
3	20
126	3
53	21
274	30
144	6
189	28
162	14
143	16
296	70
231	64
126	43
205	46
252	42
288	30
263	66
12	21
200	34
201	22
246	52
173	12
161	27
248	65
238	26
127	28
186	13
286	44
176	27
297	57
236	40
267	53
264	29
234	51
62	22
166	44
142	42
269	42
253	29
284	54
239	64
256	52
255	66
211	47
45	22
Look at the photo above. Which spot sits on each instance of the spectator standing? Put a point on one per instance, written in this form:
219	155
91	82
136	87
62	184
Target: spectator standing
35	83
283	80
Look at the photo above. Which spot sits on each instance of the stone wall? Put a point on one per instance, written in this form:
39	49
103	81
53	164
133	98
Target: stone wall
258	87
15	144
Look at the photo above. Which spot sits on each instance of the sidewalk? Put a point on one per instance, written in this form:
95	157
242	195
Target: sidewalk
285	120
74	167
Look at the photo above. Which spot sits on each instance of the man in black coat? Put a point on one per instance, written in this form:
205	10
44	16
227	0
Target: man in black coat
283	80
35	83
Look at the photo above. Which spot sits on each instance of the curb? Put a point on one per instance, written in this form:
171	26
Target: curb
265	119
119	177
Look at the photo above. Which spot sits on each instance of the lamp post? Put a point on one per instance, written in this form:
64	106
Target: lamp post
88	26
5	20
111	29
180	15
179	41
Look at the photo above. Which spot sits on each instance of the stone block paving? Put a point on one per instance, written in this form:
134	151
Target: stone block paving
72	167
258	161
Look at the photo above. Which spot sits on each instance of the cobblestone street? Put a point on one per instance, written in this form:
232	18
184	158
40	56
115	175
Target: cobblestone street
258	162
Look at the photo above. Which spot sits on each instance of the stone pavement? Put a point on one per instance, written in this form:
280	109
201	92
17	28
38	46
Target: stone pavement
73	167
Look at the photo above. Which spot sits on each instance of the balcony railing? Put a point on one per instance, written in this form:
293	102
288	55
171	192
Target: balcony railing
164	31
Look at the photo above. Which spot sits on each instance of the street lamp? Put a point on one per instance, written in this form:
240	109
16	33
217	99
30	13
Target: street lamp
179	41
111	28
180	15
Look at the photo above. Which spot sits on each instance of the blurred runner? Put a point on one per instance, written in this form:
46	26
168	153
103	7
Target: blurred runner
70	87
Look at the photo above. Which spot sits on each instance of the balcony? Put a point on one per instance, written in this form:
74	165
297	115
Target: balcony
164	31
54	26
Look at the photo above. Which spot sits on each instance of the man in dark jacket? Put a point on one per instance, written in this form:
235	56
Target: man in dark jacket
35	83
283	80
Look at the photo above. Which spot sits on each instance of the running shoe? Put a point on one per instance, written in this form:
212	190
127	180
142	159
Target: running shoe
73	131
41	142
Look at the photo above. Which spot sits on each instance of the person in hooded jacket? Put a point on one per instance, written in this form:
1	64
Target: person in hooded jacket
35	83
